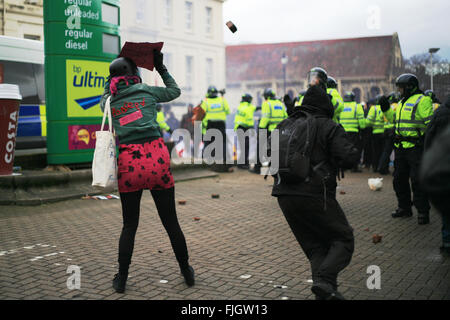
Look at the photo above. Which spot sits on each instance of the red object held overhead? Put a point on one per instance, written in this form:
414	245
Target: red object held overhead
141	53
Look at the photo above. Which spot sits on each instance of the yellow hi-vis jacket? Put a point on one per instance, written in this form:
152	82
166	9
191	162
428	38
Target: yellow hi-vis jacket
215	109
337	102
244	116
273	112
411	120
352	117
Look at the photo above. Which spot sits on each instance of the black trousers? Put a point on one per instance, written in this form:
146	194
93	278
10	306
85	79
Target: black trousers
377	149
355	139
383	165
325	236
367	146
406	168
219	125
244	147
165	204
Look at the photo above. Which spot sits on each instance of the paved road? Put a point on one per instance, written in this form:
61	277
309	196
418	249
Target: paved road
243	233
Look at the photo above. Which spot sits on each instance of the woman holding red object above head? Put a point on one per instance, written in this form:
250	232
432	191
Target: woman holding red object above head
144	161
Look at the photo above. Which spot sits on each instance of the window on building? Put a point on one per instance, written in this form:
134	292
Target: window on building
168	13
189	15
32	37
208	20
140	5
168	61
209	71
189	72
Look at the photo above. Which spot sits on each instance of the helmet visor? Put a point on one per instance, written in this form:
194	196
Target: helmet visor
313	78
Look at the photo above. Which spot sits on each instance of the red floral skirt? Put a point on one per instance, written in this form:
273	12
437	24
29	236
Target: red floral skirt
144	166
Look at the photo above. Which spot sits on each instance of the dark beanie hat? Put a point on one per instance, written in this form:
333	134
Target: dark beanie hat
318	101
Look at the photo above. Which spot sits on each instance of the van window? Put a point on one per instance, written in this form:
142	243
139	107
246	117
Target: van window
29	77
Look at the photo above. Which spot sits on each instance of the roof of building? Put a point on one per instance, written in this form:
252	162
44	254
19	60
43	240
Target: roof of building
354	57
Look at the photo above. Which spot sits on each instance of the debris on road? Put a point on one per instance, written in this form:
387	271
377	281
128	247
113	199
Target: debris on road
215	196
182	202
376	238
342	192
245	276
108	197
196	219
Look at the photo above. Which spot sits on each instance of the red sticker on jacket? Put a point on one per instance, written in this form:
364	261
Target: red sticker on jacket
130	118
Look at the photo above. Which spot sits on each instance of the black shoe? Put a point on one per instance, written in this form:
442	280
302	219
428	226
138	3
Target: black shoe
402	213
445	250
325	291
383	172
119	283
423	218
189	276
256	170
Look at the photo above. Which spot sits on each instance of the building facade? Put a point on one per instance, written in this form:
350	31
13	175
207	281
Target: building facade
192	32
367	66
22	19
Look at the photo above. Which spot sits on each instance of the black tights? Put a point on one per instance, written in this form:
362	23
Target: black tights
165	204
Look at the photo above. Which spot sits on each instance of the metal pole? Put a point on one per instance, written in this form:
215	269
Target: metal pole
431	62
284	78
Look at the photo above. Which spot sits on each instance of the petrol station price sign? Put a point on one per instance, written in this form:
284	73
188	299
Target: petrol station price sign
81	39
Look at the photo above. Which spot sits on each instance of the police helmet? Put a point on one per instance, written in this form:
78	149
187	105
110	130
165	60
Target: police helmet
247	98
349	96
319	75
408	82
331	82
123	67
212	92
269	93
432	95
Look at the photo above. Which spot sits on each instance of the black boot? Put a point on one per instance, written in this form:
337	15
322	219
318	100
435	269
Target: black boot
119	282
423	218
402	213
325	291
189	276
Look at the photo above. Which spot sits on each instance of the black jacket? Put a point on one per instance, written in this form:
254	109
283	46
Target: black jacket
331	146
440	120
435	172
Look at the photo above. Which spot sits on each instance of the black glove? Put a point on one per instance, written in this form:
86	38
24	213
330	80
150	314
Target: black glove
158	61
384	104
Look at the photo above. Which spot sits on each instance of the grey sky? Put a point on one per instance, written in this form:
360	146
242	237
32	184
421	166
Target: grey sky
420	24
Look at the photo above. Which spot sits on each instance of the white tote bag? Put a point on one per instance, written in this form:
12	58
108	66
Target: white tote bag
104	165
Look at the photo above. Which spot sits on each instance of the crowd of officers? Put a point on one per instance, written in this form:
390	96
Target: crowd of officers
398	121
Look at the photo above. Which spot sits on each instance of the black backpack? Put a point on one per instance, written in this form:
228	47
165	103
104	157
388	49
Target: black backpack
297	135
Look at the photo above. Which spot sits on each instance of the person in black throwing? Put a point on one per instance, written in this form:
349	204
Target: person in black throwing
311	209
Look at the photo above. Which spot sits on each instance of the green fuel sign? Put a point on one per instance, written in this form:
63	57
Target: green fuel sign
81	39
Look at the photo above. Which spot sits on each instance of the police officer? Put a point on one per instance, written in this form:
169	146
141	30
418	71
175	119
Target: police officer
352	119
432	95
389	130
413	114
273	112
216	110
375	119
336	99
244	120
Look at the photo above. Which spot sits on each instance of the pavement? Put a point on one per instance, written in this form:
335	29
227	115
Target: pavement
239	244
